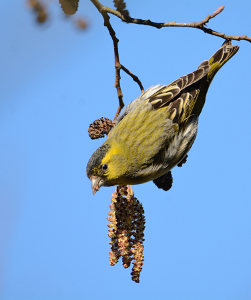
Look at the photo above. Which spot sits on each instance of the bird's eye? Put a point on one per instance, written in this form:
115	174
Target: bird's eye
105	167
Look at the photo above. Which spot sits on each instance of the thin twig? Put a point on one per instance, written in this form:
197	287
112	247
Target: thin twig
198	25
134	77
117	63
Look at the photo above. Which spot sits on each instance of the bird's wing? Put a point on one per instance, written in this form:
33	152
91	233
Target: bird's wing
181	95
161	95
170	92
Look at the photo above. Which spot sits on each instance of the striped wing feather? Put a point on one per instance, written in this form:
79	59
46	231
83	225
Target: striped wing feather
180	95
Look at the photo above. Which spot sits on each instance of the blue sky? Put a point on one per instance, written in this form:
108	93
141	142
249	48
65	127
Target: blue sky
55	80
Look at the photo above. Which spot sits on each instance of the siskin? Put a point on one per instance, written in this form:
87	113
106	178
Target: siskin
155	131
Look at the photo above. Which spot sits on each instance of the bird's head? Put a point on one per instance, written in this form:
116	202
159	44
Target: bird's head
97	170
105	167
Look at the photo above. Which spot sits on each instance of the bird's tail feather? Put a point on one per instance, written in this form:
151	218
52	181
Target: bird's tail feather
220	57
212	65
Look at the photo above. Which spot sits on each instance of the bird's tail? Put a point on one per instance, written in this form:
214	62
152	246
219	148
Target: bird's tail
211	66
219	58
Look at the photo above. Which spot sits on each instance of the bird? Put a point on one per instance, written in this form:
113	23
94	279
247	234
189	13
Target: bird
154	132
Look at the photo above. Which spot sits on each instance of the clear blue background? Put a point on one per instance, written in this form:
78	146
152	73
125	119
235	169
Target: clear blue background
55	80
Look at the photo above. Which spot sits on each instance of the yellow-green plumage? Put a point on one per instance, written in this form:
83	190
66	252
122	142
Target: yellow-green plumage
136	147
155	131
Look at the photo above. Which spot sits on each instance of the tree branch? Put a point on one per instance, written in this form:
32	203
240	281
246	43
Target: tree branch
117	63
134	77
198	25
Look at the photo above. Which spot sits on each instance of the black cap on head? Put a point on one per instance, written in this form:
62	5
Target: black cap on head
96	159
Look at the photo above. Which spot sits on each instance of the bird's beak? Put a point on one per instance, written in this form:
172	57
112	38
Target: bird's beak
97	182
